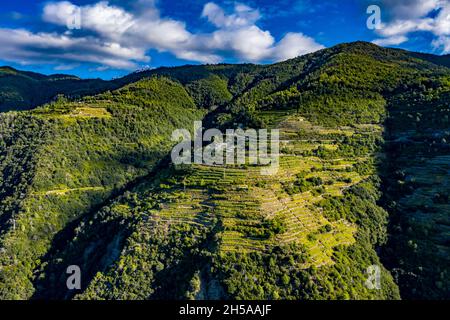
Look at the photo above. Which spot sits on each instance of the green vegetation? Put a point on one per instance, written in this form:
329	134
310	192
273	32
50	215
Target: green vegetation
363	181
26	90
76	162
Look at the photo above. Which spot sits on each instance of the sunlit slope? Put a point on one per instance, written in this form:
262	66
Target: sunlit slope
79	154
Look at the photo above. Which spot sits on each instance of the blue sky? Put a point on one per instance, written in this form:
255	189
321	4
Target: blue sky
95	38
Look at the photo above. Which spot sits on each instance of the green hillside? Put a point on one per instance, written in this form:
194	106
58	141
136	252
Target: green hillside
25	90
73	157
363	181
417	187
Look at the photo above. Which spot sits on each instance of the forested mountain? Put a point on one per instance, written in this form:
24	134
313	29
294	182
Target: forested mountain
363	181
21	90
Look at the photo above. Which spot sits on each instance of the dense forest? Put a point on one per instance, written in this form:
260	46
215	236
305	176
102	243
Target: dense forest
85	180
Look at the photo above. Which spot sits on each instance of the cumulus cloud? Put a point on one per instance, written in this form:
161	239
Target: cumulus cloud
113	37
411	9
239	33
410	16
59	13
249	43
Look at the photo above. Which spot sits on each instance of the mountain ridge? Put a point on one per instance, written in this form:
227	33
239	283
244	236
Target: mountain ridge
21	101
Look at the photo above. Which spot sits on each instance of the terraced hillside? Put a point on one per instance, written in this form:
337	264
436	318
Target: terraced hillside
89	193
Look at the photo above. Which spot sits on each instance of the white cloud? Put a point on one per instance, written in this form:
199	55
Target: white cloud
162	34
411	9
415	16
402	27
142	30
59	12
238	33
193	55
248	43
66	67
442	21
101	17
106	19
24	47
242	16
